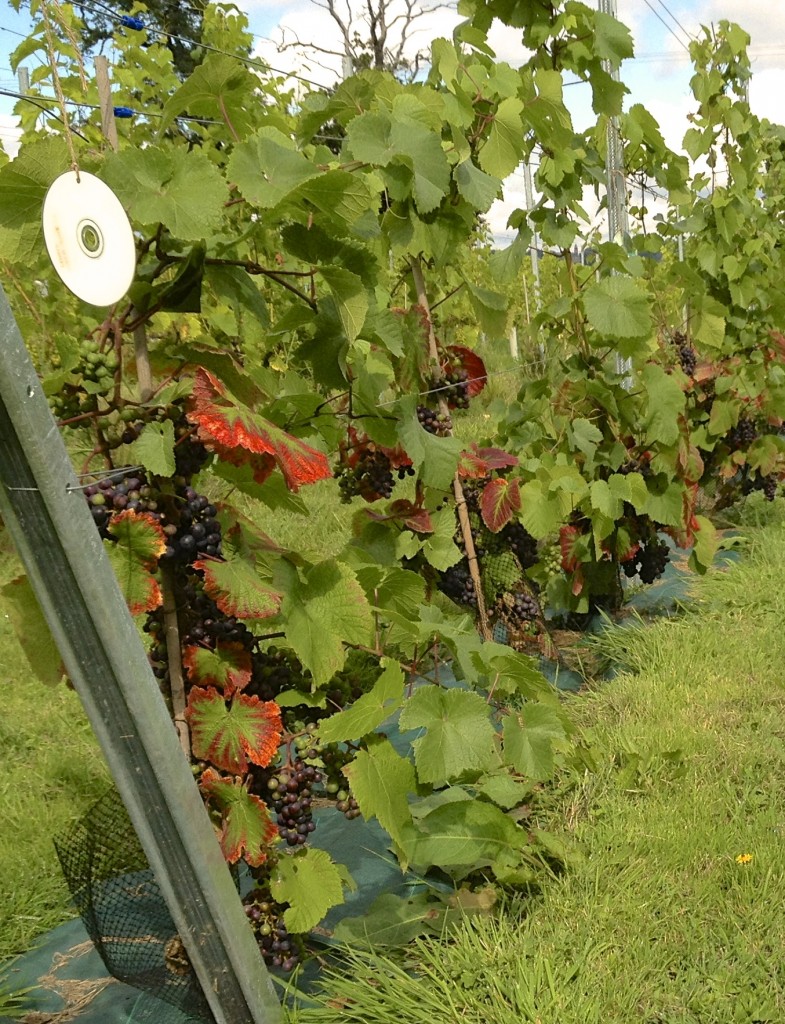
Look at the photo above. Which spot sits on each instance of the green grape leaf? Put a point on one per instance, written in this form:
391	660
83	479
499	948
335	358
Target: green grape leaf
248	730
490	308
140	542
439	547
350	297
322	610
247	829
541	513
463	836
232	429
381	780
392	920
228	666
182	190
23	185
612	39
459	736
266	168
666	402
476	187
369	710
154	448
338	194
436	457
503	149
617	307
500	500
32	631
218	87
529	736
706	544
237	588
504	790
310	883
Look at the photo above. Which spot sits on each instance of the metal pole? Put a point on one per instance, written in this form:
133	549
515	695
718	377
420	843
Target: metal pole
618	223
43	507
23	78
535	246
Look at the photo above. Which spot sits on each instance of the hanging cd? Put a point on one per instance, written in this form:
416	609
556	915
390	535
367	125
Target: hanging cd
89	238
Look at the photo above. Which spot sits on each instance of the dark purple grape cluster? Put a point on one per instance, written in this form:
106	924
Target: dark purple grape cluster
404	471
642	466
434	422
125	489
524	609
279	948
517	539
743	434
275	670
370	477
190	454
291	796
649	561
457	584
198	532
688	359
453	387
203	621
769	488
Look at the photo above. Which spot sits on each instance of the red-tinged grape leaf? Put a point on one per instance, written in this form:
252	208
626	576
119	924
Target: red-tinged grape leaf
247	829
479	462
569	538
140	541
577	582
229	737
262	466
405	512
140	533
500	500
237	588
468	360
225	421
228	666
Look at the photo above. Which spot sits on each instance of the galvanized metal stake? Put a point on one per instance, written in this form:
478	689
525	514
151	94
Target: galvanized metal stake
50	523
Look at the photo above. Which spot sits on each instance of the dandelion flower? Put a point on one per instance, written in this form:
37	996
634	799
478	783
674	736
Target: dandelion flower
744	858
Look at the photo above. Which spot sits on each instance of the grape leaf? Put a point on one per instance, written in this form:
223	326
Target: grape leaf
666	403
228	666
504	790
32	631
350	296
529	735
247	829
503	149
381	780
310	883
500	500
463	836
459	735
618	307
229	737
140	542
392	920
403	511
267	168
154	448
369	710
219	86
476	187
322	611
226	422
437	456
474	366
479	462
23	185
182	190
237	588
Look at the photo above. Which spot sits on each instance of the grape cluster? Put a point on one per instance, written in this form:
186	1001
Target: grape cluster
518	539
649	561
551	560
334	758
640	465
688	359
457	584
291	794
743	434
198	531
275	670
203	621
279	948
434	422
370	477
125	489
453	387
770	487
524	608
189	453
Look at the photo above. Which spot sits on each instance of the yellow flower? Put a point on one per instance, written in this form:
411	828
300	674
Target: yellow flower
744	858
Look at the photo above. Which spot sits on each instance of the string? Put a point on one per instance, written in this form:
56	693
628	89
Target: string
59	89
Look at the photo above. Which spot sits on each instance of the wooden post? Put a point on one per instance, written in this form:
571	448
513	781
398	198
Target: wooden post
108	126
48	518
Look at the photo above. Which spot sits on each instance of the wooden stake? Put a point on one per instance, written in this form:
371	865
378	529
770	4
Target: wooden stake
108	126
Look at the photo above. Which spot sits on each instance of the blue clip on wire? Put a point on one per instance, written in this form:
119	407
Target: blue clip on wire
127	21
123	112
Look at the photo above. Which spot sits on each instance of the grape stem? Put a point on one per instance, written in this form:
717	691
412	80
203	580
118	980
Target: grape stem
176	680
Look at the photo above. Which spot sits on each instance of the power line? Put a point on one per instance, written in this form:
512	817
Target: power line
674	19
665	23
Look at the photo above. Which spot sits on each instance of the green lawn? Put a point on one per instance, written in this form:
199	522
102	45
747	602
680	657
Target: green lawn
674	913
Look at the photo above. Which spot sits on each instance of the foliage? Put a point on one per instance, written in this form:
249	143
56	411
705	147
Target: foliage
268	289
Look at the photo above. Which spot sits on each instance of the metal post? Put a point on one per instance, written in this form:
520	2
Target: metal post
23	78
535	246
49	520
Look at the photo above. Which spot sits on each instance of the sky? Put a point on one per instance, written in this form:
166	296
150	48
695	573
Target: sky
658	76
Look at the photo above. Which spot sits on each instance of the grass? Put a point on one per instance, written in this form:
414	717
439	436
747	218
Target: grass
52	771
659	923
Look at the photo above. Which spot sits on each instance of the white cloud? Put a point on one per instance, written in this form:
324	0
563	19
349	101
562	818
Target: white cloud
9	133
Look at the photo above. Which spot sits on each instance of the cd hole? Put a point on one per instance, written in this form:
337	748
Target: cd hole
90	238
